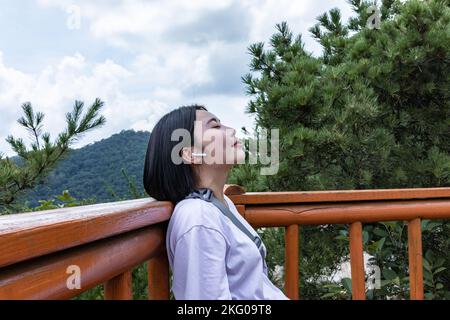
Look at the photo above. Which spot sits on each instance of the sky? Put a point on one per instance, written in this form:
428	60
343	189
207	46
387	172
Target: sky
142	58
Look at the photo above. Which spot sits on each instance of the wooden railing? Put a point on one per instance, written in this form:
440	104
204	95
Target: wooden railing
41	252
354	207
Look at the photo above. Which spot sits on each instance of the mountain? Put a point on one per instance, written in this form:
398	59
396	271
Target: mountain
91	170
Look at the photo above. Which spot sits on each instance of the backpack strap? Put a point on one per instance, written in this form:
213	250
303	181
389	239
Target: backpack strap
207	195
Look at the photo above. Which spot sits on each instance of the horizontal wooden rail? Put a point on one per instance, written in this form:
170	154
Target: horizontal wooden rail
353	207
239	196
47	277
28	235
342	213
104	242
39	250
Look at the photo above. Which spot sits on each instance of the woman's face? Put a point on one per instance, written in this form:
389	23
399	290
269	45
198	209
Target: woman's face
217	141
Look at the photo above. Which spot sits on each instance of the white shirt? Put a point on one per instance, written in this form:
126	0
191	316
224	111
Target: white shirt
211	258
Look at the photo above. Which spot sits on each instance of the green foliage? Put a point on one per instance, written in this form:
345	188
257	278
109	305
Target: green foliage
139	273
65	199
35	164
433	274
83	170
371	113
387	243
139	285
338	291
134	192
109	163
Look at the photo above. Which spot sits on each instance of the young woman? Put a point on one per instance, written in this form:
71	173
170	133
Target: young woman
210	257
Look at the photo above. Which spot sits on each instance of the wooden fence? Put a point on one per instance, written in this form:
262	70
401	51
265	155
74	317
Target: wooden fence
39	251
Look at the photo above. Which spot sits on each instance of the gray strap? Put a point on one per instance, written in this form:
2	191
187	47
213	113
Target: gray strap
207	195
235	220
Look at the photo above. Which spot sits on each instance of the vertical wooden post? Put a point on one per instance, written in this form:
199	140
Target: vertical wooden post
119	287
357	262
291	262
415	259
158	277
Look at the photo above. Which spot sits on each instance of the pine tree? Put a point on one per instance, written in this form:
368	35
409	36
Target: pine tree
373	111
37	162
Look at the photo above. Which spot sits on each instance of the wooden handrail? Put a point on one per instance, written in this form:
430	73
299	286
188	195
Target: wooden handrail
280	197
27	235
354	207
46	277
106	241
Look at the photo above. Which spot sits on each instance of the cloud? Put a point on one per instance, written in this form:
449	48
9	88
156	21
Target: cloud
166	37
144	58
54	90
196	22
228	24
117	21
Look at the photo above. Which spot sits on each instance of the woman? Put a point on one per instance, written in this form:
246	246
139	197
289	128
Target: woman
210	257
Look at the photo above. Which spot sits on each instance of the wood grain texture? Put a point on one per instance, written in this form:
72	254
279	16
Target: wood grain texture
342	213
233	189
357	262
46	277
107	240
415	259
158	277
27	235
338	195
120	287
291	262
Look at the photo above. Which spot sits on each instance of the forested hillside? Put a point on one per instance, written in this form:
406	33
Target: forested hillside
92	171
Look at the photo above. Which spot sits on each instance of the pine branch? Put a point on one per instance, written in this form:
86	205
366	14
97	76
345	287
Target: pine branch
42	158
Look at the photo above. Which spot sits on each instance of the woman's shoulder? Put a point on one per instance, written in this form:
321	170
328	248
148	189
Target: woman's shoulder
194	212
228	200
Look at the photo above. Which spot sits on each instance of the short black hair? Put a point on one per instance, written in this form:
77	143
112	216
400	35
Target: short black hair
163	179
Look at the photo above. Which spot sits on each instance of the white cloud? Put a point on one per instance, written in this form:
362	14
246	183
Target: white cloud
166	54
124	22
177	66
136	17
54	90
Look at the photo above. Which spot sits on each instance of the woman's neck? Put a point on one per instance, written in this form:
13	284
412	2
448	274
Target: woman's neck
214	179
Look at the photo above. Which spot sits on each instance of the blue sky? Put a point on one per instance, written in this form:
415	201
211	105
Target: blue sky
143	58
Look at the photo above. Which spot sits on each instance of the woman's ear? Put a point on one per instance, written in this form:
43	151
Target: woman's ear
186	155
